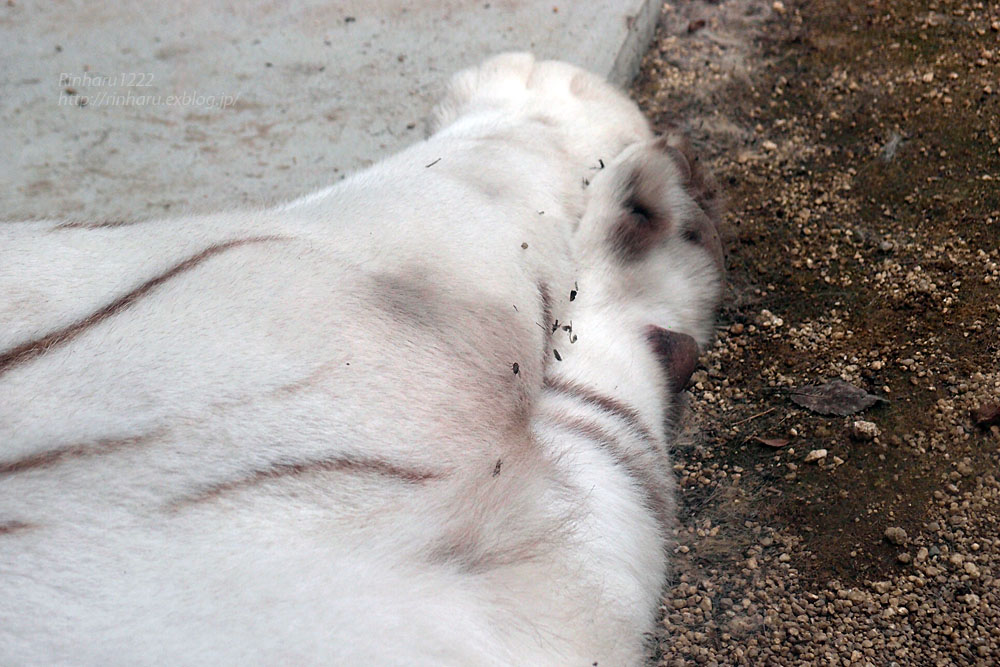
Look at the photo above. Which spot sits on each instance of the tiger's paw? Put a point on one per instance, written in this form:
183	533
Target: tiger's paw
596	121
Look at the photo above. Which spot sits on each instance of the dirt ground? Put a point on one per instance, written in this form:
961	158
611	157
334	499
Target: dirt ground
859	145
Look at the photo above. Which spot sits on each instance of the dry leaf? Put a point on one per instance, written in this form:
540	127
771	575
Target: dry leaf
776	443
988	414
834	398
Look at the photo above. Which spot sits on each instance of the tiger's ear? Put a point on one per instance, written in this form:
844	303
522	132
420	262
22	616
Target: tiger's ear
697	181
704	229
677	353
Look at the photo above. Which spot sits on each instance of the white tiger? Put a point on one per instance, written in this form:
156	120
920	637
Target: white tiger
419	417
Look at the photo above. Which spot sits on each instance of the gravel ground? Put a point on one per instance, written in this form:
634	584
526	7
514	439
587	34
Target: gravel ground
859	143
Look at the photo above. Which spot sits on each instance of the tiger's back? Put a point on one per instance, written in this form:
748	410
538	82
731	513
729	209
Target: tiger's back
342	430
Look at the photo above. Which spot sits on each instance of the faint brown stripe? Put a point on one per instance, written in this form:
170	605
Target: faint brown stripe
605	403
546	297
34	348
314	378
105	224
473	554
335	464
8	527
631	462
53	456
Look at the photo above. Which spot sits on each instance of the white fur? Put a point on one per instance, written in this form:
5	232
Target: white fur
379	320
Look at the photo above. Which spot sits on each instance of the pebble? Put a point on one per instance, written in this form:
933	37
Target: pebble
896	535
815	455
864	430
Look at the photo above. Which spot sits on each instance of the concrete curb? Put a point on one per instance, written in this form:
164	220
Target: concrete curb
315	89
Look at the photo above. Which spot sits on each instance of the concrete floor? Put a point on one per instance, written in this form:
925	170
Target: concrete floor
134	109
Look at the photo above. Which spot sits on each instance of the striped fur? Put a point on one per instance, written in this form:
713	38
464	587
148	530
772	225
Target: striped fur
414	418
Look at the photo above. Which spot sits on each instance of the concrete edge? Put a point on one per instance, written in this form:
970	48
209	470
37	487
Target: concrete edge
637	40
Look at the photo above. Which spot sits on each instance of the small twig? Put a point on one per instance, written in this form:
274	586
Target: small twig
751	418
432	163
756	434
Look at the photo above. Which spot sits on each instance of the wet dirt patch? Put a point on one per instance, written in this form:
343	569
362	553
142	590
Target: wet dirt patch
859	144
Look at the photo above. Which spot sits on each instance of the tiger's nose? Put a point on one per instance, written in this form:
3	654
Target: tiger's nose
677	353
